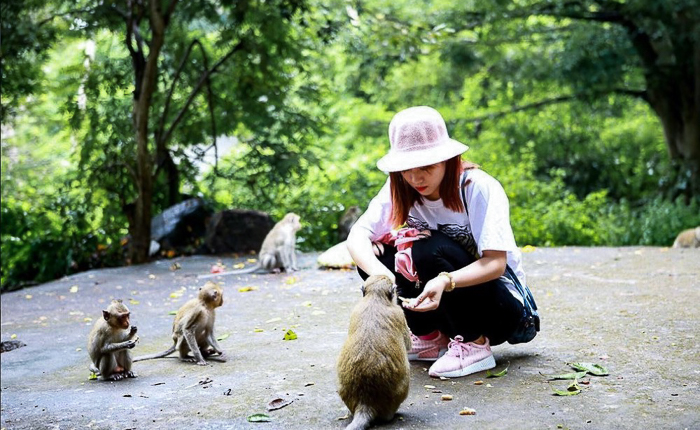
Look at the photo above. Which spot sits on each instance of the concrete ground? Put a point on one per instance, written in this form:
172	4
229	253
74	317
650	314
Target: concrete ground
632	310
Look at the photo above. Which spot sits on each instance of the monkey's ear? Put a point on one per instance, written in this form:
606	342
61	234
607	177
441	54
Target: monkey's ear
105	315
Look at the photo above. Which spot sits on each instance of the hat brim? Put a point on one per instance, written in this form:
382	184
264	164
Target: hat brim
396	161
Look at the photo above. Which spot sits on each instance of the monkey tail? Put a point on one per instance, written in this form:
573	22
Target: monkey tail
361	419
152	356
250	269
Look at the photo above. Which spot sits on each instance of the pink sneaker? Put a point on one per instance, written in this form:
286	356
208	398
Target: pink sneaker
463	358
428	350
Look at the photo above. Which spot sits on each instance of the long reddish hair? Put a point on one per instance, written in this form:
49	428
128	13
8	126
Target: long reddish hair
404	196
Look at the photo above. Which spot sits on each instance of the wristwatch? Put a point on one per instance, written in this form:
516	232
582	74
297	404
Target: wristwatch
452	281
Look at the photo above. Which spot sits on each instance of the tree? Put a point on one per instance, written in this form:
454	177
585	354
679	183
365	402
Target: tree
531	54
168	77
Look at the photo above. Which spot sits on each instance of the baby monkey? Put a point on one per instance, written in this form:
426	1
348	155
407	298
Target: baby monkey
193	328
110	341
373	368
278	250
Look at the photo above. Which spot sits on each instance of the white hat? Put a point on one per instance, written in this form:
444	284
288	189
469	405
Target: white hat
418	137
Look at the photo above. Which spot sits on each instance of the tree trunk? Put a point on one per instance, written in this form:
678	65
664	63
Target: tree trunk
146	85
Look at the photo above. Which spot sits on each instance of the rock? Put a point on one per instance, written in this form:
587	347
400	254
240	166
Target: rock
237	231
336	257
181	226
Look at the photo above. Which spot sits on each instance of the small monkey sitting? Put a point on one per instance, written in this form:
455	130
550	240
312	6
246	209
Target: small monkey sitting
278	250
688	238
373	368
109	343
193	328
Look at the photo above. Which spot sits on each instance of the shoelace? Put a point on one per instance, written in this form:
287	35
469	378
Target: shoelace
457	344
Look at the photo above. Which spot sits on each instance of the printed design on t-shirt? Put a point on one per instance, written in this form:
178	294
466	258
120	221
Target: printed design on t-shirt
461	234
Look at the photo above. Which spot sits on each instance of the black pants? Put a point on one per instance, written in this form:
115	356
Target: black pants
487	309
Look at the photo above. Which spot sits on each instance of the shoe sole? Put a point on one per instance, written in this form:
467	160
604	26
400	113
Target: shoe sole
485	364
417	357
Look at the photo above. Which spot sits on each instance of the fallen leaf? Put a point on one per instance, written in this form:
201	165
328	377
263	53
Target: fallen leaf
175	266
246	289
446	397
503	372
574	375
259	418
14	336
307	304
467	411
87	319
28	296
172	313
126	395
151	276
258	330
278	403
239	266
592	368
78	349
290	335
528	248
430	387
92	376
223	336
290	280
134	302
478	382
308	384
271	320
73	289
571	390
344	417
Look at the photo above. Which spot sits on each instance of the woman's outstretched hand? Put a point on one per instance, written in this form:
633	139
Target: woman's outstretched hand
429	299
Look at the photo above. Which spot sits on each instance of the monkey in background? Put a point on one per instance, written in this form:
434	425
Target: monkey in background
278	250
193	328
688	238
373	368
110	341
346	222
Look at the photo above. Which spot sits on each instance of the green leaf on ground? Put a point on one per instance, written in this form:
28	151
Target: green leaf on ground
172	313
592	368
259	418
503	372
574	375
571	390
290	335
92	376
223	336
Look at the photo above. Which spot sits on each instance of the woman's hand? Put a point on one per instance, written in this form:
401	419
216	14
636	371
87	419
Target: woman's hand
429	299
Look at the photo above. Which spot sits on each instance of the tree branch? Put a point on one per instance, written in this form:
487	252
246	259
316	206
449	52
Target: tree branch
202	80
555	100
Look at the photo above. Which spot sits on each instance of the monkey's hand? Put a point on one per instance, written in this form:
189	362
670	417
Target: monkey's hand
133	330
131	343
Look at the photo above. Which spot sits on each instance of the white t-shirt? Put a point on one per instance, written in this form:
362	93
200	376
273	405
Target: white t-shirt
485	227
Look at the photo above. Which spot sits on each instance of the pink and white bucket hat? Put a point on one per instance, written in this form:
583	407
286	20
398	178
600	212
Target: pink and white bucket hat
418	137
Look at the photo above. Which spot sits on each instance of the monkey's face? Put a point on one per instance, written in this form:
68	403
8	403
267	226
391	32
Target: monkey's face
122	320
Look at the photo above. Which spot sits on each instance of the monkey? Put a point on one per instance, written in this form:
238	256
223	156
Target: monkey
373	369
193	328
110	341
278	250
346	222
688	238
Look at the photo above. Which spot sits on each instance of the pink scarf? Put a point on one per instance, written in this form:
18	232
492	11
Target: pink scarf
403	241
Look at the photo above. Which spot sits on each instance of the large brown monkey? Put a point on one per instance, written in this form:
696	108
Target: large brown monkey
109	343
278	250
373	368
193	328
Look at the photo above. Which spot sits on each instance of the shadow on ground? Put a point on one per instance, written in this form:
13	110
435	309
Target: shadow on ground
633	310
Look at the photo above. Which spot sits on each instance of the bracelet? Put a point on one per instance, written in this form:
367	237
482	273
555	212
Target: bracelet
452	281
